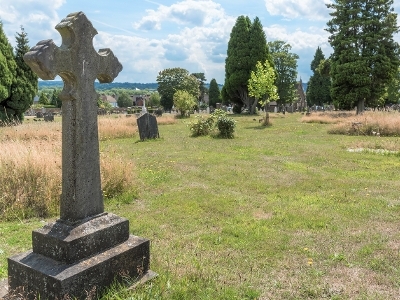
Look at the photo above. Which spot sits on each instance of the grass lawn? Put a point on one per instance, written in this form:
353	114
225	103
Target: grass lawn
283	212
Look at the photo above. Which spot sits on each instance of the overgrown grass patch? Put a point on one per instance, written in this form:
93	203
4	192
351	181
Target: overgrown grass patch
283	212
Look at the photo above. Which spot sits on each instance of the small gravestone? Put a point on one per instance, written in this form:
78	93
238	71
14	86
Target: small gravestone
49	117
87	249
39	115
148	128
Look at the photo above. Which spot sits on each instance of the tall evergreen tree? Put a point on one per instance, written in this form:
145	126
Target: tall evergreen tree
393	90
25	83
237	62
214	93
365	57
318	89
7	71
247	46
285	64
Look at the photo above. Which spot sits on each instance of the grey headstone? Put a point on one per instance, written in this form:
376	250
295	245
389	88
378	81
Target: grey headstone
49	117
86	249
148	127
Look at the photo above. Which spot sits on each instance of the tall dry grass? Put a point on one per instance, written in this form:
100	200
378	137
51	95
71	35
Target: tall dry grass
348	123
30	166
326	117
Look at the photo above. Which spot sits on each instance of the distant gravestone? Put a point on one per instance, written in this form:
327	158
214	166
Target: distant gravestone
48	117
87	249
148	128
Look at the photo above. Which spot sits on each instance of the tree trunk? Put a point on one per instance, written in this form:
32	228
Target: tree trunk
360	107
253	106
266	120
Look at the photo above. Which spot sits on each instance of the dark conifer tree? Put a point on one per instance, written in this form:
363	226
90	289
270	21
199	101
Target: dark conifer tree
214	93
25	83
318	89
365	56
7	72
247	46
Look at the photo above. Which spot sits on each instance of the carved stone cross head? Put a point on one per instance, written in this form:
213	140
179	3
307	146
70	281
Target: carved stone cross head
78	64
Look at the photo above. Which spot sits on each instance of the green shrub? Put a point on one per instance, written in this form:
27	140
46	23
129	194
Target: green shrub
217	120
201	126
226	127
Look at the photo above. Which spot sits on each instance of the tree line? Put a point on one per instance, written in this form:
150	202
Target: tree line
363	69
246	48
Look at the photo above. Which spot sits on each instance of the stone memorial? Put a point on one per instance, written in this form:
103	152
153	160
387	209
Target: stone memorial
85	250
148	127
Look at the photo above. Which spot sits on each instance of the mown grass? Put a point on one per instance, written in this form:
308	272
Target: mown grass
283	212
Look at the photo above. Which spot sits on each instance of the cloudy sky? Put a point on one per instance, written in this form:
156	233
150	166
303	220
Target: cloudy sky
149	36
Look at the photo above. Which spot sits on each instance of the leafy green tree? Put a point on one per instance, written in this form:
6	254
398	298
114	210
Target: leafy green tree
247	45
318	89
174	79
365	56
43	98
184	101
262	86
124	100
7	71
285	64
155	99
214	93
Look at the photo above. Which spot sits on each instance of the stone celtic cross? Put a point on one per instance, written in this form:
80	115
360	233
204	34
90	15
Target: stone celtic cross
78	64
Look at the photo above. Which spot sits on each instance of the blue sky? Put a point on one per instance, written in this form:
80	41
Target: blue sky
149	36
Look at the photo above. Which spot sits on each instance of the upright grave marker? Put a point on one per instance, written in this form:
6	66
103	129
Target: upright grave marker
148	128
86	249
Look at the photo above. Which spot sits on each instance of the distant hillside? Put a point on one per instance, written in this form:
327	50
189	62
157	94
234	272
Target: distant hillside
103	86
108	86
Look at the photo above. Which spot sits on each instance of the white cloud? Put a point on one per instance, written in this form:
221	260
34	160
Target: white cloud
305	9
200	46
42	16
187	12
298	39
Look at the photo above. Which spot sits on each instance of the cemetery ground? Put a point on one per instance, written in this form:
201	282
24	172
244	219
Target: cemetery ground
281	212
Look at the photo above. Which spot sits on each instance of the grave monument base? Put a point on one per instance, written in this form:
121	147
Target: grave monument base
67	265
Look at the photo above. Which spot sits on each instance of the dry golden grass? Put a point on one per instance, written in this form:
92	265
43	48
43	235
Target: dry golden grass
326	117
124	126
369	123
30	164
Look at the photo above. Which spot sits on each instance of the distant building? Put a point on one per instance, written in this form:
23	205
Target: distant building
138	100
110	99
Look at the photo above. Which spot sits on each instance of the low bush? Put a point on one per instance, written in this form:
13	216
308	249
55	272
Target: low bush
217	124
201	126
226	127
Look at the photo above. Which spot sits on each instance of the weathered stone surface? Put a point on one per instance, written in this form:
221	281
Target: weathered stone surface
78	64
69	244
148	127
32	273
83	252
